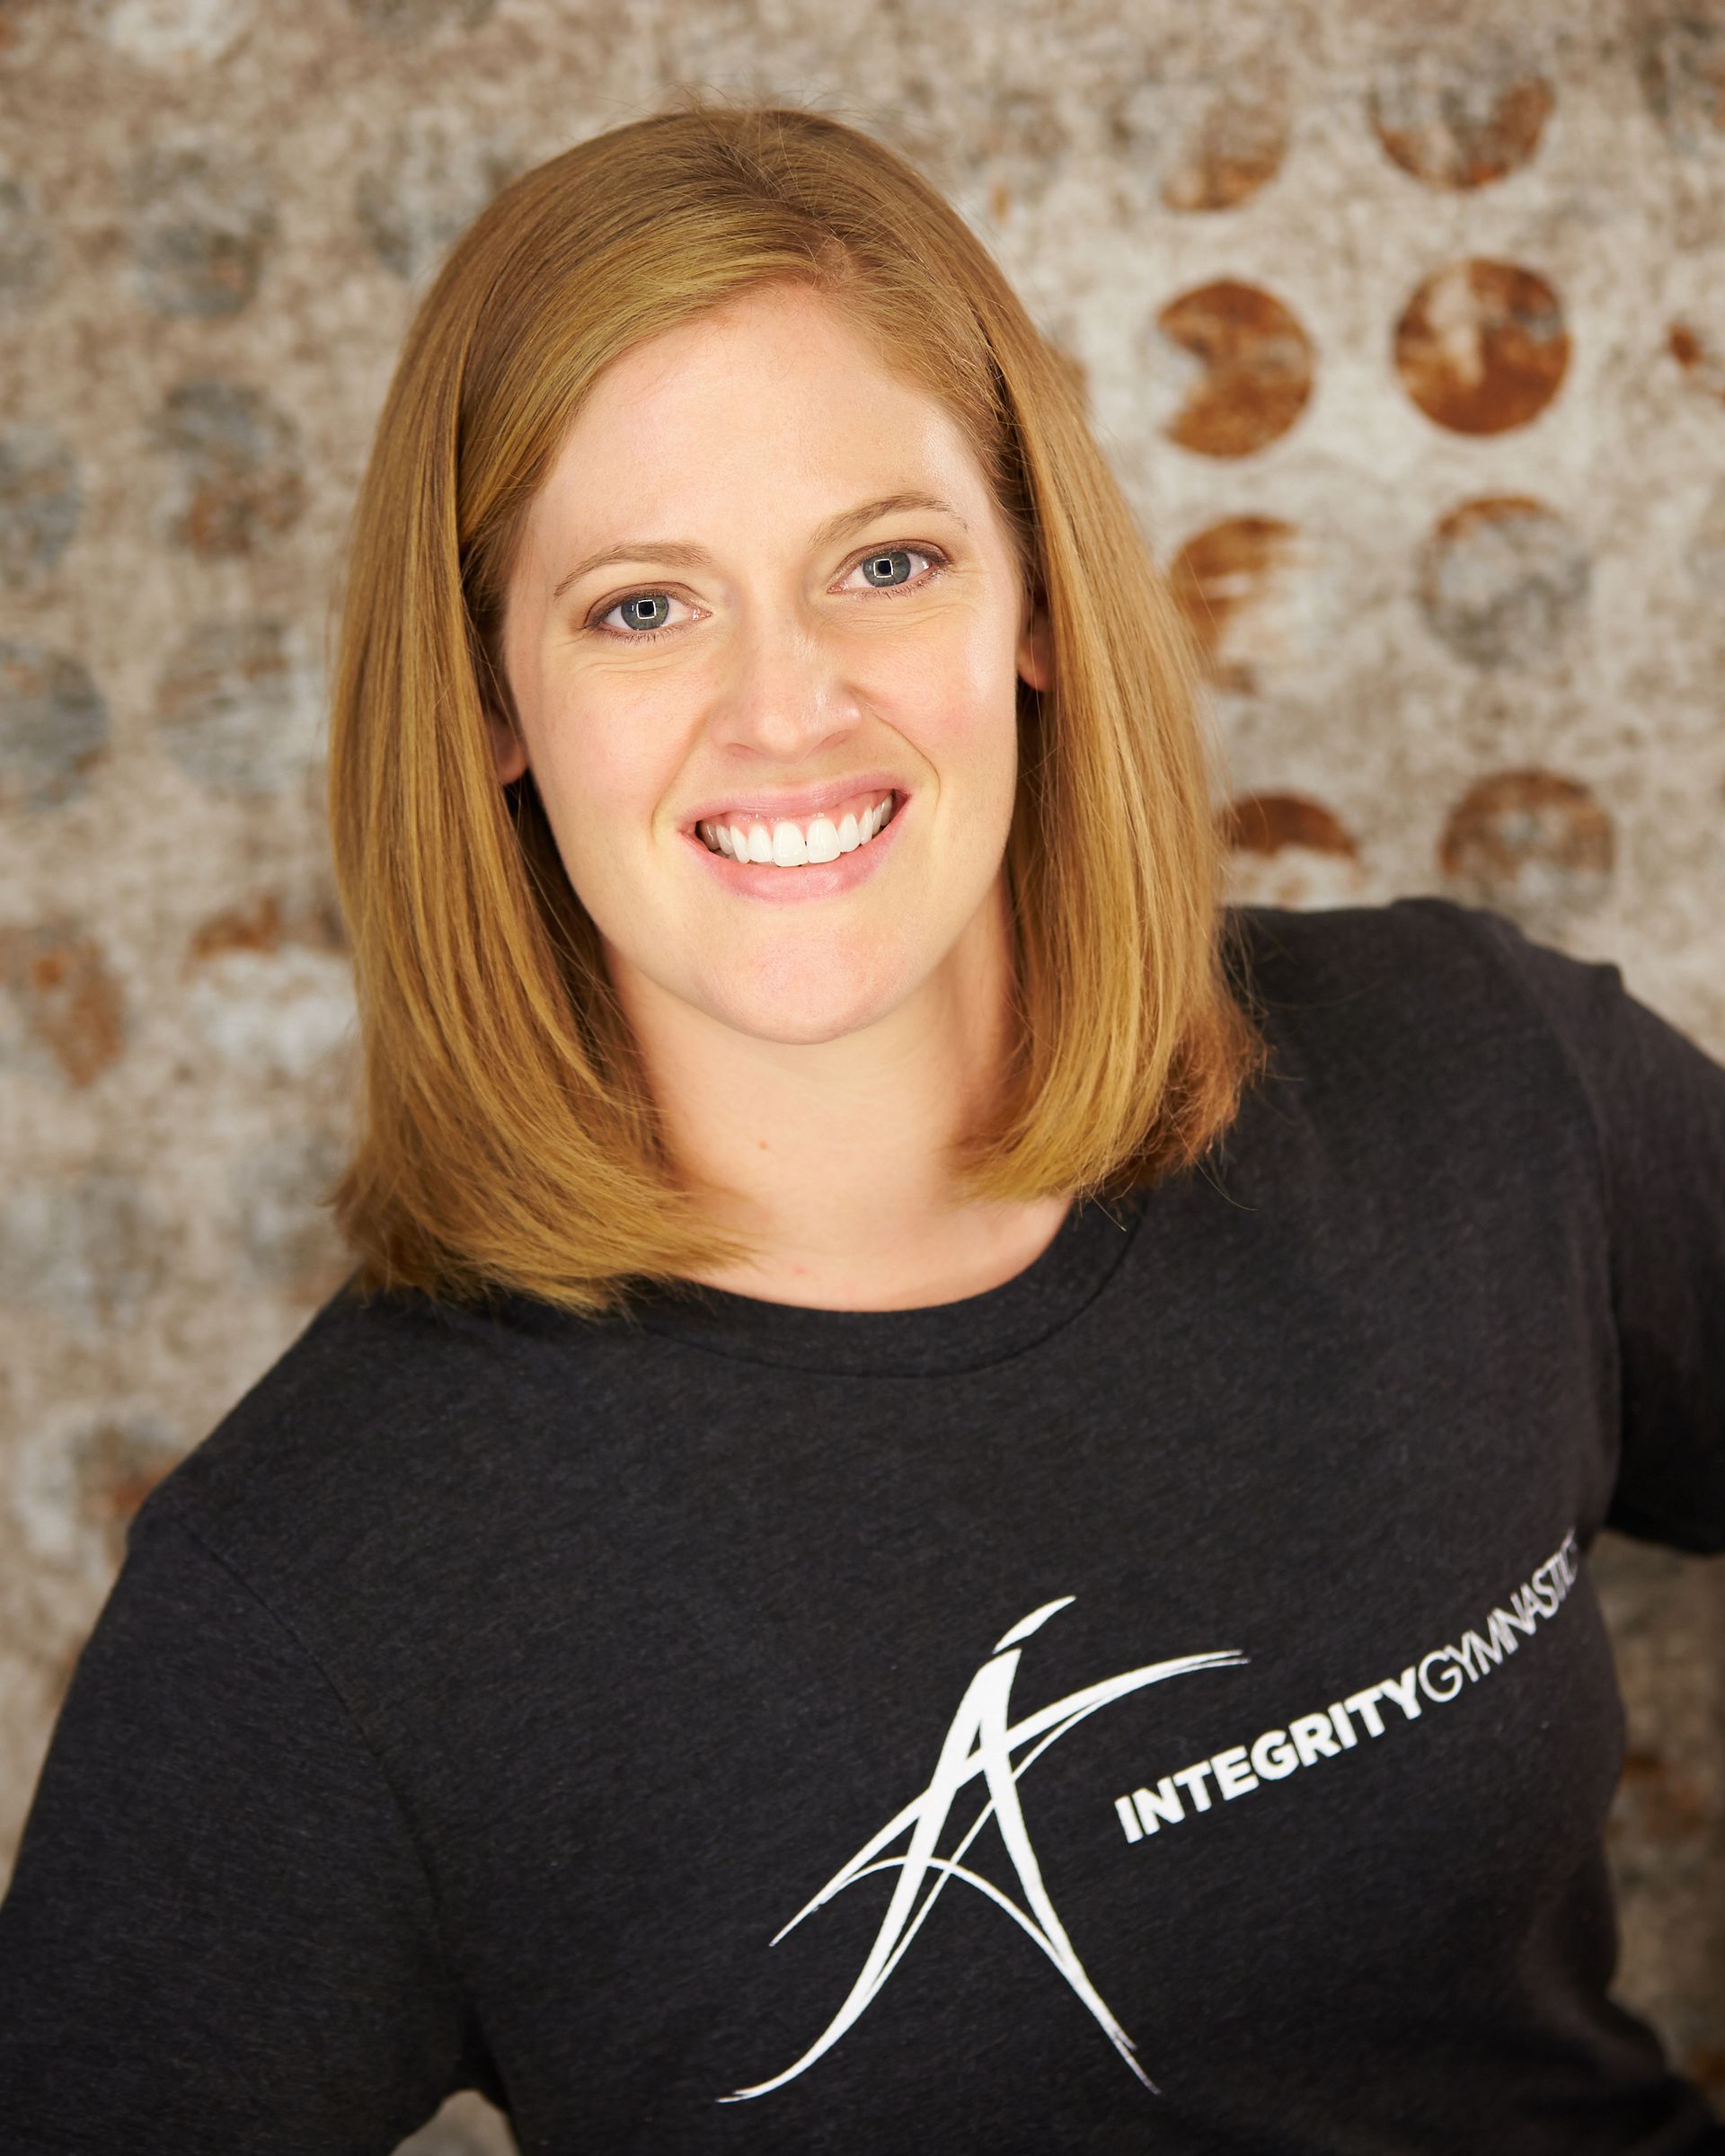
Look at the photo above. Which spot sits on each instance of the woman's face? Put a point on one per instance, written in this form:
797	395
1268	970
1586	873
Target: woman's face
765	579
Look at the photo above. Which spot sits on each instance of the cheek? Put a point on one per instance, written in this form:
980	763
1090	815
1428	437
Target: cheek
962	684
609	757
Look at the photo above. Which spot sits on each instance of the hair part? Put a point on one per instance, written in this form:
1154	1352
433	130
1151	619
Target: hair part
507	1139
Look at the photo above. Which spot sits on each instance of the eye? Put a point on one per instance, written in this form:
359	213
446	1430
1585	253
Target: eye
891	567
643	614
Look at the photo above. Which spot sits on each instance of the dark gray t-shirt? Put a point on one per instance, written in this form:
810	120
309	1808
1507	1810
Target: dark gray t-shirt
1155	1705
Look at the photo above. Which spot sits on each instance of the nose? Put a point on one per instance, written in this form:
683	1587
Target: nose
784	691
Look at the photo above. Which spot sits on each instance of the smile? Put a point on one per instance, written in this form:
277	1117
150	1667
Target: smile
791	845
783	866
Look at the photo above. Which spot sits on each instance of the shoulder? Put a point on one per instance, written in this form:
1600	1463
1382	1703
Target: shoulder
1430	1015
381	1436
1424	974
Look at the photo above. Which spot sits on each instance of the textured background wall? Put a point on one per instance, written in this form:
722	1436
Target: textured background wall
1406	333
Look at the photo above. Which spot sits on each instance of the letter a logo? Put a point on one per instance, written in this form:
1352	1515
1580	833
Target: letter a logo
979	1744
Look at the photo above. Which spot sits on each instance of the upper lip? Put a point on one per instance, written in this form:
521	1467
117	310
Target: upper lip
807	800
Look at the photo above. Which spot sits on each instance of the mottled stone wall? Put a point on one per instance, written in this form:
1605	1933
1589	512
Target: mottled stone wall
1405	330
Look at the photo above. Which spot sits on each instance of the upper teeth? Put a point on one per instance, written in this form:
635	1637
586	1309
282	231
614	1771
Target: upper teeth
788	845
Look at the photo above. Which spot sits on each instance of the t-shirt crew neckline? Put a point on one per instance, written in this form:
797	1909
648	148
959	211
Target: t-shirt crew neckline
934	1340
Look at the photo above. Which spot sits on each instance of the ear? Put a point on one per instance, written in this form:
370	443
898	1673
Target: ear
508	751
1036	647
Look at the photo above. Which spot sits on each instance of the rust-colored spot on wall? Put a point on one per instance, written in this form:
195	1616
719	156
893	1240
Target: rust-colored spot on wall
1226	571
1528	836
263	924
115	1466
1667	1801
1502	579
1703	368
1235	146
1460	121
1481	346
1257	362
1289	850
1265	823
71	1002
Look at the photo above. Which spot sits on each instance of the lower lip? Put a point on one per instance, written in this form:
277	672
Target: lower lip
814	880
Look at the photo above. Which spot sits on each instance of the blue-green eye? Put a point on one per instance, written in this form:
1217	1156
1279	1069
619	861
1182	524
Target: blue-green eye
890	567
645	610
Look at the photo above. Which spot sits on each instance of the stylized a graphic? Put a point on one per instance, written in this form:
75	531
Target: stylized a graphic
980	1741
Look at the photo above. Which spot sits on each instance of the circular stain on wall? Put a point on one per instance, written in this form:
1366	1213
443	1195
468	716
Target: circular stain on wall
53	726
1235	147
1703	364
1256	363
1232	582
1528	840
26	250
204	220
1680	64
1502	581
1481	346
61	1013
1208	145
40	502
238	706
239	478
1211	146
1460	121
434	178
1287	849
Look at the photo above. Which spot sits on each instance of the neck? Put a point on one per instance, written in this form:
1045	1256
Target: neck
828	1156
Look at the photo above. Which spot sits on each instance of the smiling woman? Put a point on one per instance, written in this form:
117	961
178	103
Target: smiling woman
759	501
761	1620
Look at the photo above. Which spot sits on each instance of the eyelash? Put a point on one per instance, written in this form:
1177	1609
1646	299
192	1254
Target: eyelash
647	636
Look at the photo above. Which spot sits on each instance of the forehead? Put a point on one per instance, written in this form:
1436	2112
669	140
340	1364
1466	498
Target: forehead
777	401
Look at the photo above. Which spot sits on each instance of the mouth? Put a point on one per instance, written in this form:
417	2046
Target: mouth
817	836
778	870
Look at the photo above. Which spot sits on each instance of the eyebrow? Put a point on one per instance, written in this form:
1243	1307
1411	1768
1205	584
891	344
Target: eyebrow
682	555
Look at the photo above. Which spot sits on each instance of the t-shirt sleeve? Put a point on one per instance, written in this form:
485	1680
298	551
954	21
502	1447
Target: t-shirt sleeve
1657	1103
219	1934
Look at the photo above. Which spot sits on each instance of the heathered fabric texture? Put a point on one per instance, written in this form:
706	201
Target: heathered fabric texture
1164	1689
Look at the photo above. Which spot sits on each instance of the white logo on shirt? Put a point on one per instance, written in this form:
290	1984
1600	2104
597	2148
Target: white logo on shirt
981	1741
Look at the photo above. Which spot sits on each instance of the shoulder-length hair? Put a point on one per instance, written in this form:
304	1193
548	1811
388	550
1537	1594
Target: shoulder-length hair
507	1137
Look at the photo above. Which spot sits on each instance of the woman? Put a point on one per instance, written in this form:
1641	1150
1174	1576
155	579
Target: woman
945	1511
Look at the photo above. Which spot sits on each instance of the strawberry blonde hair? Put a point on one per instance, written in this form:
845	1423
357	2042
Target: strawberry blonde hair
507	1136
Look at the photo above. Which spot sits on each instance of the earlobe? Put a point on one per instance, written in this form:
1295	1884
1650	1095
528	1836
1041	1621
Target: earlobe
1035	651
508	751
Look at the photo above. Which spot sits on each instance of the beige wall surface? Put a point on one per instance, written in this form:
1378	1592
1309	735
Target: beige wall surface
1404	329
